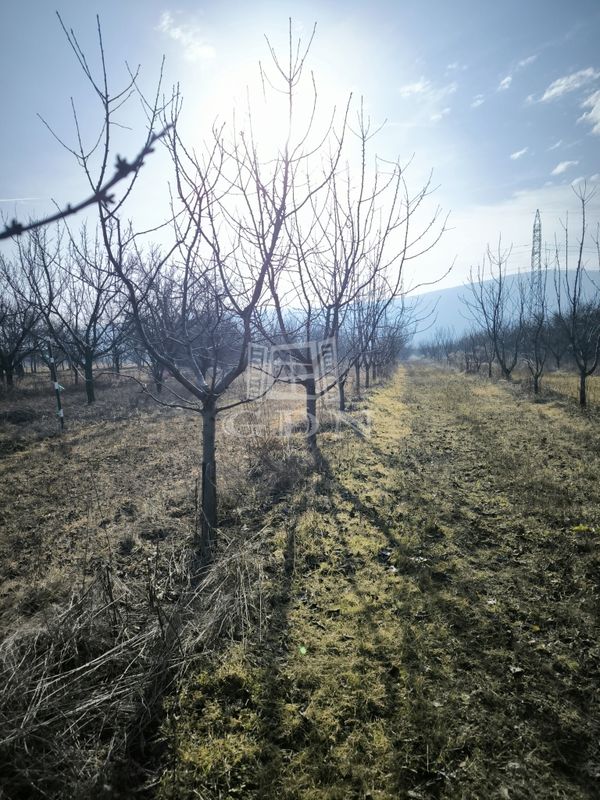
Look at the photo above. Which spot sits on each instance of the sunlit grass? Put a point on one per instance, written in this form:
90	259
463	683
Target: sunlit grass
567	384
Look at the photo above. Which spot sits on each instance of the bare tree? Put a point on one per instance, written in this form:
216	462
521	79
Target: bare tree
77	295
496	305
579	314
557	338
360	235
232	210
18	320
535	327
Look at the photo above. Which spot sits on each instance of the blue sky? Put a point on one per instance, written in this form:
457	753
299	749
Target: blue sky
500	99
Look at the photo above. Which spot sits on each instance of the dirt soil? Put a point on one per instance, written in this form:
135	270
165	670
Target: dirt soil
434	625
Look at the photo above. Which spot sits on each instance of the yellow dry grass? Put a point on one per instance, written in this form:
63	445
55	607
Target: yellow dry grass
434	628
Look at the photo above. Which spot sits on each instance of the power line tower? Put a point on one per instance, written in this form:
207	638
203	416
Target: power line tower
536	248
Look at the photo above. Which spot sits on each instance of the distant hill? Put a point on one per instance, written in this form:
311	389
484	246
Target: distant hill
448	312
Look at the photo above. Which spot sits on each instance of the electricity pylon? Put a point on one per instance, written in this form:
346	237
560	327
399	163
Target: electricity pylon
536	248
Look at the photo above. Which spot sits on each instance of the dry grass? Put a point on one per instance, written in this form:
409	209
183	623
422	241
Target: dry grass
567	385
97	610
434	630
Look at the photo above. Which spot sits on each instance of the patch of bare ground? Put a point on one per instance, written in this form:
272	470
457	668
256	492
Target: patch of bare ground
433	630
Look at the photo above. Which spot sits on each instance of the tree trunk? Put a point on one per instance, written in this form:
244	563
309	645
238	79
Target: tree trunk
536	384
8	375
357	379
157	374
367	376
116	362
208	500
311	414
75	374
582	389
89	378
342	394
489	369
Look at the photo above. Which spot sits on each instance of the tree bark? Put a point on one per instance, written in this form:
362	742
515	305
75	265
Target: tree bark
582	389
157	375
357	378
536	384
208	501
367	376
342	394
89	378
311	414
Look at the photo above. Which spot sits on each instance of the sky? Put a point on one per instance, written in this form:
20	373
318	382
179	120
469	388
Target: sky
500	99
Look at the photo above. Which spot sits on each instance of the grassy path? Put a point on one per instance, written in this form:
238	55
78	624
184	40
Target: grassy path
435	633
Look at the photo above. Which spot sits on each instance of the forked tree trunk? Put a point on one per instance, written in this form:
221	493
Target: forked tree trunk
208	498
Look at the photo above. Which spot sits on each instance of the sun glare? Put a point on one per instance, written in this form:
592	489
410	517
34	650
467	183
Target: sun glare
250	98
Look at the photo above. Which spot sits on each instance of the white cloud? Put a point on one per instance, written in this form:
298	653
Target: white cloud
478	100
569	83
456	66
195	46
518	154
563	167
595	178
525	62
440	114
422	86
429	103
592	117
507	81
556	145
580	179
